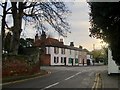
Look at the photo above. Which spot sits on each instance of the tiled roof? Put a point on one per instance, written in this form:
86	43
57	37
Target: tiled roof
51	42
47	42
73	48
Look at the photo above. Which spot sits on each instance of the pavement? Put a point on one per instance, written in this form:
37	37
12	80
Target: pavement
110	81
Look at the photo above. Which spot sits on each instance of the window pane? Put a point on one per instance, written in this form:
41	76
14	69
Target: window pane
54	59
54	49
64	60
57	59
57	50
61	59
70	51
76	60
70	60
64	51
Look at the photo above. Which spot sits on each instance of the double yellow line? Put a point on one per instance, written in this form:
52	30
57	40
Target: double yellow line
97	82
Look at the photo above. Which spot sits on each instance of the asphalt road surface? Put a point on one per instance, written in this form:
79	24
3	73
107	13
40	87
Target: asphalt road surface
62	77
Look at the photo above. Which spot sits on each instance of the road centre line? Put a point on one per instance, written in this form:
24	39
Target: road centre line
59	82
51	85
78	73
69	77
73	76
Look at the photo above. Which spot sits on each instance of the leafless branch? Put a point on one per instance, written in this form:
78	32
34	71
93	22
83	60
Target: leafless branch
1	16
8	9
1	5
53	13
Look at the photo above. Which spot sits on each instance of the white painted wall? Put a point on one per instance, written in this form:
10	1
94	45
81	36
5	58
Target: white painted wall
59	55
74	54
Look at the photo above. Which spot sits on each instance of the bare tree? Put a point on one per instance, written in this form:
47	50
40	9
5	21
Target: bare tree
3	5
38	13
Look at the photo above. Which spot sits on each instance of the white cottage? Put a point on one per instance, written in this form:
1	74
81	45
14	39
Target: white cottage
56	53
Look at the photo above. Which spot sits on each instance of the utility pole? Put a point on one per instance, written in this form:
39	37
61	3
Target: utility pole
93	46
93	52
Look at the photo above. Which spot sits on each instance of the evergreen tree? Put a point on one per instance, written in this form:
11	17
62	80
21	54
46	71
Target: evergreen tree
105	24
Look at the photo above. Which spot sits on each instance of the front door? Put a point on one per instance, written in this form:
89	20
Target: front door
72	61
65	60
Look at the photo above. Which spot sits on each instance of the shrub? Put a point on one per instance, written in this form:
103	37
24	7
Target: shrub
18	65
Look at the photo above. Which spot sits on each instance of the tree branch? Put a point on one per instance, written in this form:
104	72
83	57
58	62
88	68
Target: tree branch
7	26
1	16
31	5
9	13
1	5
8	9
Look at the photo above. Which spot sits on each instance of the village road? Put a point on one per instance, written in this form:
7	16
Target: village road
62	77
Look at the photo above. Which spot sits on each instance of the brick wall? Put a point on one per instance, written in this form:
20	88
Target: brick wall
45	59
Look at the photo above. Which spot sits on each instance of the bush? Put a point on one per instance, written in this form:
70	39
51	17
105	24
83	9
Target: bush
18	65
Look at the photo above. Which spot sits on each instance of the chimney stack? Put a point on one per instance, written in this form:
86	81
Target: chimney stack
80	47
36	37
43	35
72	44
61	41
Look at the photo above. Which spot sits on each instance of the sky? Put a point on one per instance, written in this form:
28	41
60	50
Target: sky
79	27
79	23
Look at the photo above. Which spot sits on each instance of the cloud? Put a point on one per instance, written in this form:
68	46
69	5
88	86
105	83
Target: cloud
79	21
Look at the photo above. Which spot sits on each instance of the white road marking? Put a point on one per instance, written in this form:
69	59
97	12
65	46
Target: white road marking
69	77
59	82
73	76
90	74
78	73
51	85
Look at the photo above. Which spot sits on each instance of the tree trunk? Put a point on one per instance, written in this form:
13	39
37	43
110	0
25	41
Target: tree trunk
17	22
3	24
